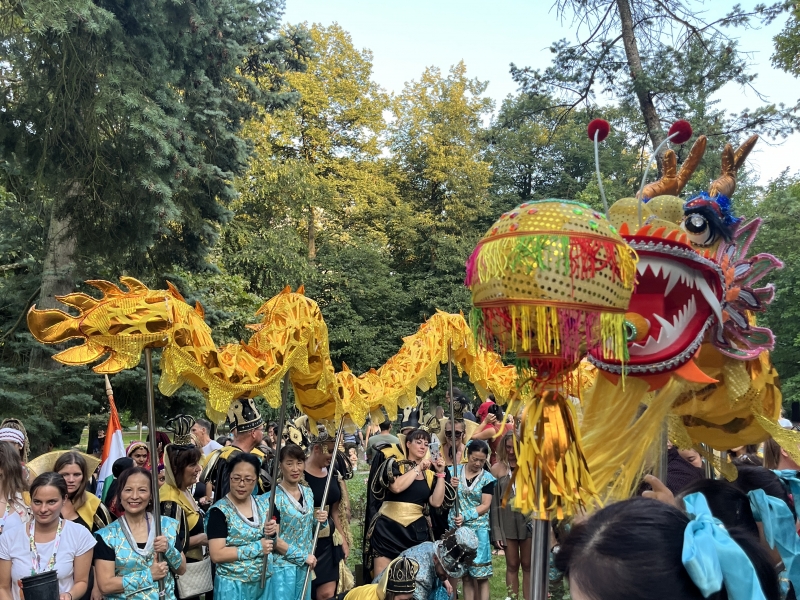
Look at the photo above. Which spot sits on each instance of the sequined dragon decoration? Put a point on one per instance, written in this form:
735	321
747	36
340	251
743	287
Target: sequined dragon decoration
695	354
291	336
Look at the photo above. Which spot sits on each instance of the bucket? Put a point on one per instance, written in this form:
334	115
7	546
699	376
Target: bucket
42	586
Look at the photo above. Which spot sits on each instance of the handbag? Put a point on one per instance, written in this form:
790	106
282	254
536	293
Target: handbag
196	580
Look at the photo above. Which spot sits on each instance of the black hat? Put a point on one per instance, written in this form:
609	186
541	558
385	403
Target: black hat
400	576
243	415
411	415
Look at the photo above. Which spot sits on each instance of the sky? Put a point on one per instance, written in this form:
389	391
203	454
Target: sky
406	37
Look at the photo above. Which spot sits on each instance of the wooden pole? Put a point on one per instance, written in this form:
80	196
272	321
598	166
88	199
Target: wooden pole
276	465
151	429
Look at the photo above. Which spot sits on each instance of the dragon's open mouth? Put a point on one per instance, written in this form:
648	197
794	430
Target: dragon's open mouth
677	297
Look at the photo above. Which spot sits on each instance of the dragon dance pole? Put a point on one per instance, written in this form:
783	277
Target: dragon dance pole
540	551
276	465
331	470
151	431
452	419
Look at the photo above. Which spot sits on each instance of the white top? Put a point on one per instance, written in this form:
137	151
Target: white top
210	447
15	546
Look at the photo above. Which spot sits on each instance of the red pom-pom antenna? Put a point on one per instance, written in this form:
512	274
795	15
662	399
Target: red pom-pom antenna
680	131
602	128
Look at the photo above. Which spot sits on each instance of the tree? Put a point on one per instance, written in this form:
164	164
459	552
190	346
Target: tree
661	57
787	45
780	209
438	165
123	121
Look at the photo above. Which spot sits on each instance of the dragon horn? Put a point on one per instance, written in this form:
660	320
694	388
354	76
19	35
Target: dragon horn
725	184
691	163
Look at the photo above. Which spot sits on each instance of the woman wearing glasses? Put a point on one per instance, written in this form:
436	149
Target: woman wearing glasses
475	486
240	536
404	489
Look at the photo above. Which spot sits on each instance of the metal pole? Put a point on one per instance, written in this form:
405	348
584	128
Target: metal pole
708	465
453	442
661	454
276	465
540	549
331	470
151	430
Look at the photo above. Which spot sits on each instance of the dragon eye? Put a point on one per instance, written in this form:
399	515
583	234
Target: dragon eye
700	232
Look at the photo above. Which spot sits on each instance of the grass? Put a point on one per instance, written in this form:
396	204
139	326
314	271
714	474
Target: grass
127	438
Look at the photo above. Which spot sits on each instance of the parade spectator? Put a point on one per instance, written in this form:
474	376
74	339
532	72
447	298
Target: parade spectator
48	543
140	453
384	437
201	430
490	417
14	511
509	528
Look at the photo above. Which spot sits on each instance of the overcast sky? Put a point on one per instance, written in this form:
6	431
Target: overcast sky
406	37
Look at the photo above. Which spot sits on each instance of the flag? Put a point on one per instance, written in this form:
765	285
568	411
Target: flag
114	447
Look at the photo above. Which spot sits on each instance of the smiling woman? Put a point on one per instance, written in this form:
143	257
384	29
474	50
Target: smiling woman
48	543
125	558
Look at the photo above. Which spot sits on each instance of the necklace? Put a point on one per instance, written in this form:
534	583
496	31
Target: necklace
36	559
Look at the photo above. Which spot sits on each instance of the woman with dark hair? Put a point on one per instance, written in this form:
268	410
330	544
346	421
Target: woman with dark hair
48	543
125	557
80	507
474	486
181	468
14	511
239	536
140	453
295	502
642	549
509	528
332	545
404	488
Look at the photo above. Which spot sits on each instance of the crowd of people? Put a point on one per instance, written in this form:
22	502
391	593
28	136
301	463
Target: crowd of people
438	507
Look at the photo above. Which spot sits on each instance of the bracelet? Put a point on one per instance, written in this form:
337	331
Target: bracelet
440	475
69	594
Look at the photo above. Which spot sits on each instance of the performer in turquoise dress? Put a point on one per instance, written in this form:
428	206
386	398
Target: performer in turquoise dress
475	486
238	539
295	503
124	558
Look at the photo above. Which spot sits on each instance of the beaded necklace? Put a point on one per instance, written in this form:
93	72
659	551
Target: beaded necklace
36	559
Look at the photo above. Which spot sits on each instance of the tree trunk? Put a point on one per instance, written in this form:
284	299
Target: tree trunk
651	120
312	235
58	276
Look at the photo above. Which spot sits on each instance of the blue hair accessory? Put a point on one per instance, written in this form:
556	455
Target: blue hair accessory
720	203
789	479
779	531
712	558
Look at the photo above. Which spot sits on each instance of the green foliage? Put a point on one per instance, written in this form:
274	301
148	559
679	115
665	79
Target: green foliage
779	235
787	45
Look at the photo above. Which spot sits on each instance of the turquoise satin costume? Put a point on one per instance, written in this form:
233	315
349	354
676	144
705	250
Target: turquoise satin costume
134	568
297	530
242	579
469	499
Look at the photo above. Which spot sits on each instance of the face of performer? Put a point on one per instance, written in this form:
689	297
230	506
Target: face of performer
139	456
475	462
73	475
46	504
323	453
448	434
417	449
511	453
243	481
292	469
189	475
135	496
441	574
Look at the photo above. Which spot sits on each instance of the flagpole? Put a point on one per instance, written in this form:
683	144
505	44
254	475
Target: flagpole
276	465
331	470
151	429
453	442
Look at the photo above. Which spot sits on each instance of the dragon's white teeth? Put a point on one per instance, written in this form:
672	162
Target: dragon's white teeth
668	330
708	294
675	275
